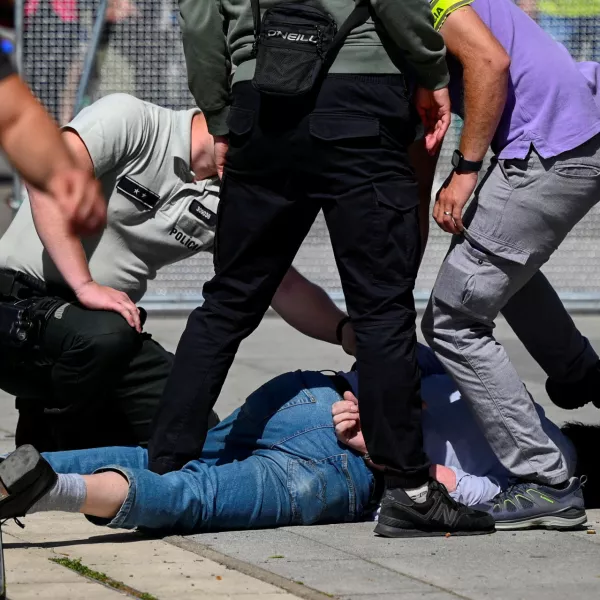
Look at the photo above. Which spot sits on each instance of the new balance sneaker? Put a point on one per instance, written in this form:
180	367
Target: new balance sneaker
24	478
576	394
438	515
528	505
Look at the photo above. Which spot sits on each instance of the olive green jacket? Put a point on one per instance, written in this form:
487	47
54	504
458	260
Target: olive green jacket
218	38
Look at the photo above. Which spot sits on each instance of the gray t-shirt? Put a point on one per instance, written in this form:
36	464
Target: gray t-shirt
157	214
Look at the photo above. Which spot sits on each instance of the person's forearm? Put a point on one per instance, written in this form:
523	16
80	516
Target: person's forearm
28	135
207	59
486	67
409	24
63	246
485	97
307	308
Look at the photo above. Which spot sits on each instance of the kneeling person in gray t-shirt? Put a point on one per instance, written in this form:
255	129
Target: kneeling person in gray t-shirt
93	378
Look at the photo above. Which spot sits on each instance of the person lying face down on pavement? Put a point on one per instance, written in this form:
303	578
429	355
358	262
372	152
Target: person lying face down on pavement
278	460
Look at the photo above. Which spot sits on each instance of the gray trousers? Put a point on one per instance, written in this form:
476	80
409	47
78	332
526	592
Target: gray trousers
521	213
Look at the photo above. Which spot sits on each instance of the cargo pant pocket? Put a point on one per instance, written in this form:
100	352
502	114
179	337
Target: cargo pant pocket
343	128
478	281
395	229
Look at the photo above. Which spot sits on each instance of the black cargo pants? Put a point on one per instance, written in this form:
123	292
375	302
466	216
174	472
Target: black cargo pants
93	381
347	155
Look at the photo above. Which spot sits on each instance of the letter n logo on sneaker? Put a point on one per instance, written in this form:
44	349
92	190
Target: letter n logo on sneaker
444	514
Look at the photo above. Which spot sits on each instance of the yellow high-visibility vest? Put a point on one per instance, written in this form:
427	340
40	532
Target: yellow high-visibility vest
442	8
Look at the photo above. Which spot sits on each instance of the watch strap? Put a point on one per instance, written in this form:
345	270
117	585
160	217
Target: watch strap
466	166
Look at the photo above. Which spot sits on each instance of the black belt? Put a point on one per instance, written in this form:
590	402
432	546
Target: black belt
21	286
17	285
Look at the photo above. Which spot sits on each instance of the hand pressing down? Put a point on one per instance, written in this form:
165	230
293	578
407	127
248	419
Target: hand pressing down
94	296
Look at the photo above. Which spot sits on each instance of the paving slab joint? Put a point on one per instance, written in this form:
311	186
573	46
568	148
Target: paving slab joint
84	571
293	587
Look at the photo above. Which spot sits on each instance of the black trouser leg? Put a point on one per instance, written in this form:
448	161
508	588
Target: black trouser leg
347	153
138	392
259	231
82	356
94	382
34	426
358	144
123	418
380	302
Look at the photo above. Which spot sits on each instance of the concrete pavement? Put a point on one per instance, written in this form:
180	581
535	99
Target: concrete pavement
104	564
342	561
349	562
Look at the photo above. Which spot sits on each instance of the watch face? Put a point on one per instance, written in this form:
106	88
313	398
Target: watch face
456	159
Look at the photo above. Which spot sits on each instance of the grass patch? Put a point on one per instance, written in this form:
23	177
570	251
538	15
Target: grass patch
277	556
79	568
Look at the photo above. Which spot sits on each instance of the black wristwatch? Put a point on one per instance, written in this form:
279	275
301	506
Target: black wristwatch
462	165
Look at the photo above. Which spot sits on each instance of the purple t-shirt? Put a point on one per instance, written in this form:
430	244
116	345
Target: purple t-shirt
552	100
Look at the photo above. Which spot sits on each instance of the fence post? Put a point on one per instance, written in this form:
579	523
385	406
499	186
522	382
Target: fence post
19	20
90	56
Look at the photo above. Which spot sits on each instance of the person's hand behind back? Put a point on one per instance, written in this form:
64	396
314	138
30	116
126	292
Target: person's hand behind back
433	107
347	423
221	148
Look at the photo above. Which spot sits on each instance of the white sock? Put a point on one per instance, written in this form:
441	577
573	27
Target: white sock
67	495
418	495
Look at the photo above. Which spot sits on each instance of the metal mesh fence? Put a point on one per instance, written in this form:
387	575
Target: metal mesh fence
141	54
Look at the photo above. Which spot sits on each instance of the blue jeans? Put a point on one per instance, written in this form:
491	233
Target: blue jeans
580	35
273	462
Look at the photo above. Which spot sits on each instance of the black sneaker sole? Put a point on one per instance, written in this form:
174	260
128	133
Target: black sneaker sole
401	532
26	476
571	518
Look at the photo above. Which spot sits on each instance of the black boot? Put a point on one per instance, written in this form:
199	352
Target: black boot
576	394
24	478
437	516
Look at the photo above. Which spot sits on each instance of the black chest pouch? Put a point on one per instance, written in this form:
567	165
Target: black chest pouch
295	45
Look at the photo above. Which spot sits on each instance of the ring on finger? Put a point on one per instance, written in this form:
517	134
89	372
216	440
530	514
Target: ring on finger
447	213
